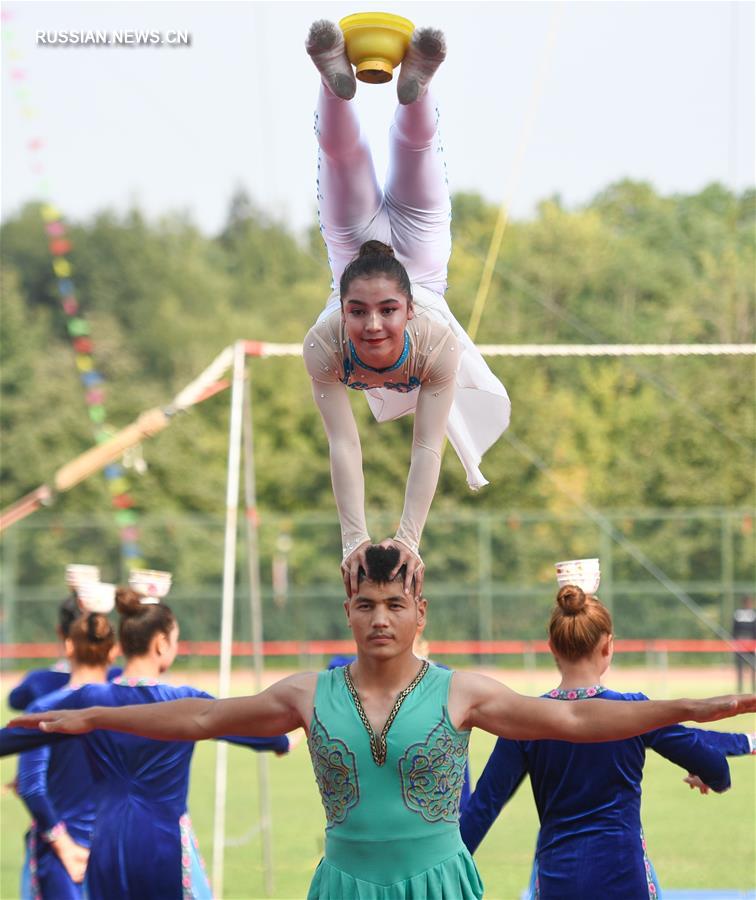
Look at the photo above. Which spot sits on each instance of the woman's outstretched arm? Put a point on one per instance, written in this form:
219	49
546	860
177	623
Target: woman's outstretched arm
478	701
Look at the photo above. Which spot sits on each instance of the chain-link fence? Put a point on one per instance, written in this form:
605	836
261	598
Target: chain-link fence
489	576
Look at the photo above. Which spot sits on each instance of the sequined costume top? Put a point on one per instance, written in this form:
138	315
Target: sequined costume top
391	800
421	380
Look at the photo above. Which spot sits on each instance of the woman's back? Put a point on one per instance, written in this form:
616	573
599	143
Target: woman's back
588	797
142	830
153	774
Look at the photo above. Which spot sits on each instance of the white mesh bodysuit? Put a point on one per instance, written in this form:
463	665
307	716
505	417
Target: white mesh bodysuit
441	376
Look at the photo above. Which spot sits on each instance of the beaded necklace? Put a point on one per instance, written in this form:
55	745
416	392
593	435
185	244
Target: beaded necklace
378	748
399	362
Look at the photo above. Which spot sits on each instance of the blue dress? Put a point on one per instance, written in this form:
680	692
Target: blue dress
591	841
57	786
142	843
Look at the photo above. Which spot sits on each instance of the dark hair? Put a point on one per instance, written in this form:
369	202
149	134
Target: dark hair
93	638
140	622
68	613
380	563
376	258
578	623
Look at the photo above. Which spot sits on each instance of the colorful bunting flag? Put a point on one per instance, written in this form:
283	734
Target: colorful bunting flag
60	246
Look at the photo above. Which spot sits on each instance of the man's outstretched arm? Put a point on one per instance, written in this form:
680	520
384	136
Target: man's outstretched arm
280	708
481	702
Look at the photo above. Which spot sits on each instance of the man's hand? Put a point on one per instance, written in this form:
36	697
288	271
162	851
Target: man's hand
65	721
714	708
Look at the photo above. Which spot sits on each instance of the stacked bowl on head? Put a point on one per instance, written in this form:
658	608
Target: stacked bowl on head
77	574
150	583
584	573
96	596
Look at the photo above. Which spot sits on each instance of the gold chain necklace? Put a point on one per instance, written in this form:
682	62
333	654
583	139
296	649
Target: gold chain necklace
378	748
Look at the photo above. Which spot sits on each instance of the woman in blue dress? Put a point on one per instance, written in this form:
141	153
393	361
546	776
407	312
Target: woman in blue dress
142	844
56	783
591	841
38	682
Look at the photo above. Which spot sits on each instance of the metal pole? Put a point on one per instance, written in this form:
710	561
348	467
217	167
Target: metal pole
727	602
9	581
485	592
607	564
227	609
256	615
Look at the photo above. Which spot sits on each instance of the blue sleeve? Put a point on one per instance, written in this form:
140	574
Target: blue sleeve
277	744
31	784
726	742
505	769
466	787
35	685
687	748
19	740
114	672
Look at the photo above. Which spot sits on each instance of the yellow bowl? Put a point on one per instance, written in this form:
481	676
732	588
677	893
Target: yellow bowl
376	43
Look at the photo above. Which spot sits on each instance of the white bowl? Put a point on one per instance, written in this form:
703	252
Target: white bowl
150	583
76	573
584	573
96	596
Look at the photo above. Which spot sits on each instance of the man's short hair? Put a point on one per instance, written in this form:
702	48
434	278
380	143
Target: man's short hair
380	562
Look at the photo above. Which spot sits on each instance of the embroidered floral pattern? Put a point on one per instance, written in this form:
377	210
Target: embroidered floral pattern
123	681
34	885
335	770
652	891
577	693
188	838
432	774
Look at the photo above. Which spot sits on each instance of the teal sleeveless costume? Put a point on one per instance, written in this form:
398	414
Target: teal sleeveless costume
391	801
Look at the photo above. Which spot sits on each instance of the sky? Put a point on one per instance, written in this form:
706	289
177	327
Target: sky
536	99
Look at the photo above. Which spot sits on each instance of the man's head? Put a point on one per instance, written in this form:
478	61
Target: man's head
384	620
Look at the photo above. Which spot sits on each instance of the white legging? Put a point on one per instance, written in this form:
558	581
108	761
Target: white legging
412	213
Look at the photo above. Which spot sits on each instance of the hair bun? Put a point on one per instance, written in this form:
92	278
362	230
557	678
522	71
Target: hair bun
98	628
128	602
571	599
375	248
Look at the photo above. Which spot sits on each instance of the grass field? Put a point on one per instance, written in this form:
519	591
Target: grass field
694	841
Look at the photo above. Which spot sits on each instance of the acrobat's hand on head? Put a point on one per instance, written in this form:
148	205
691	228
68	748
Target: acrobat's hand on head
350	568
415	568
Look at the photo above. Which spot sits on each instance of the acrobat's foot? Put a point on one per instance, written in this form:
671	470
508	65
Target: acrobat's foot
325	44
426	52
